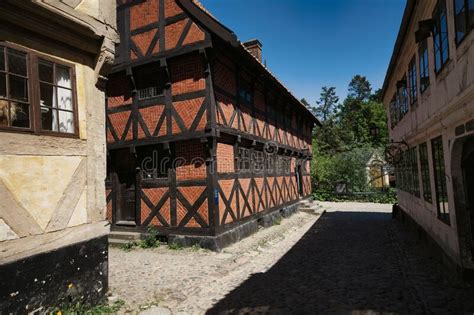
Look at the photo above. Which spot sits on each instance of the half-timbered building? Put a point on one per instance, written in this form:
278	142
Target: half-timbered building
54	58
429	97
203	141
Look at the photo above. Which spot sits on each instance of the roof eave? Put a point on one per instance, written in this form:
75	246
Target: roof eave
229	36
402	34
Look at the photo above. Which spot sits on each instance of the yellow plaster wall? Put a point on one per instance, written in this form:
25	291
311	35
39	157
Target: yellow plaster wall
38	182
79	216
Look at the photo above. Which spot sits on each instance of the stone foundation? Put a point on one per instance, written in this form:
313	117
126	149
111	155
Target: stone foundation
217	243
71	274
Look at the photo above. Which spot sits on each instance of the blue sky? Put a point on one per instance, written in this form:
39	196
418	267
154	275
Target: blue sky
308	44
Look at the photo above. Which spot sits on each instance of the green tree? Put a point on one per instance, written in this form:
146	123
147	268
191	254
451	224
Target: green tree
359	88
344	144
326	104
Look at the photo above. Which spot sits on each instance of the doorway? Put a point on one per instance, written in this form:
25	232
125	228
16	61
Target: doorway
124	177
467	167
299	179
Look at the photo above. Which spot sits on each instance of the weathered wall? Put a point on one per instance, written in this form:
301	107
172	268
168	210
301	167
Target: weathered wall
446	104
51	186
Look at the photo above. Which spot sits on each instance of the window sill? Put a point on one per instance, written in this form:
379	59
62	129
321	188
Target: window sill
43	133
463	47
444	71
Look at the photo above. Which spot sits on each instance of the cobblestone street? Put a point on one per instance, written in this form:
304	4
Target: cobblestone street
353	259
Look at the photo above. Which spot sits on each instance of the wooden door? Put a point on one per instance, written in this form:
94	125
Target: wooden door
125	186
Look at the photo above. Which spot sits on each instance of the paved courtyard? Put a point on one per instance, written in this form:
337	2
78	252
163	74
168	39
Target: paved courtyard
353	259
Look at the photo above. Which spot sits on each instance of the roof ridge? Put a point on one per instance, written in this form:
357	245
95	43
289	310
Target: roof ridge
199	5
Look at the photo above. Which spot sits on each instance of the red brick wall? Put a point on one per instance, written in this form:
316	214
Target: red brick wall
192	194
192	156
142	14
151	116
118	91
155	195
119	123
224	77
172	8
225	161
188	111
187	74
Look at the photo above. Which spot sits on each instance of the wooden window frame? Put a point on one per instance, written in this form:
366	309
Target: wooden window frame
415	172
437	20
412	83
467	20
425	172
441	188
424	65
34	97
244	159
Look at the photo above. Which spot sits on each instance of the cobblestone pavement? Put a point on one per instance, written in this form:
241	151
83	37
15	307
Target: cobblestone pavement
190	282
354	260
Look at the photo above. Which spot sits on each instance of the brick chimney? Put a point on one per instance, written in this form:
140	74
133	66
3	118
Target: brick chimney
255	48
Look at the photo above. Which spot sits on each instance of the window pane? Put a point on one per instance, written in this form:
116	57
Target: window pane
471	12
18	88
49	120
3	85
2	59
62	77
65	99
46	71
17	62
47	93
66	122
20	115
4	113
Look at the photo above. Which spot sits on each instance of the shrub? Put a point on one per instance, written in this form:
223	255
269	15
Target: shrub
387	197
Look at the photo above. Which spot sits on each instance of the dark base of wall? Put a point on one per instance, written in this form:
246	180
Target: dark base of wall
76	273
452	266
217	243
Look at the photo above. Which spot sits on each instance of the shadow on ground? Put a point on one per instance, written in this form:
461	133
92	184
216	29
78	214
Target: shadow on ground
350	262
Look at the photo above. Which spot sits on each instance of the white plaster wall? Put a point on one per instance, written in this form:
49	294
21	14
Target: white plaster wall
447	103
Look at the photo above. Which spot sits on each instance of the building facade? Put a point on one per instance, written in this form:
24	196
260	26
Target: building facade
429	96
203	141
54	57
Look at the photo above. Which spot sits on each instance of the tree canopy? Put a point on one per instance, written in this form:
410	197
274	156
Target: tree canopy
342	144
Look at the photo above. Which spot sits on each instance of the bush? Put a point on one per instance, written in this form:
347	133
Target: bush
387	197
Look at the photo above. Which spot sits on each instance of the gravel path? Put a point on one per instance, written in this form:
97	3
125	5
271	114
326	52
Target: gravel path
353	260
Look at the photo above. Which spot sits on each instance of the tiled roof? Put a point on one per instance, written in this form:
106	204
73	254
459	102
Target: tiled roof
202	8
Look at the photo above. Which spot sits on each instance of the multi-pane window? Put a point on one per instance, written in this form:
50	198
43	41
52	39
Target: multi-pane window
245	92
258	161
393	112
424	66
440	180
14	99
440	35
412	81
243	160
56	100
270	162
463	18
149	83
425	172
402	97
414	171
36	94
